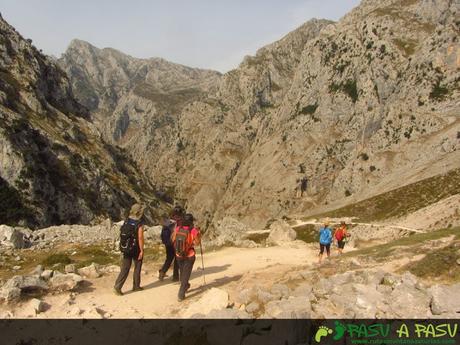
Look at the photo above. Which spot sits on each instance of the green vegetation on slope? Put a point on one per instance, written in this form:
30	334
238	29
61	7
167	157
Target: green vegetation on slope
401	201
405	245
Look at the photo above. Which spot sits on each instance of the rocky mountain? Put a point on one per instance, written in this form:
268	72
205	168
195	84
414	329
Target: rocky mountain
54	166
358	107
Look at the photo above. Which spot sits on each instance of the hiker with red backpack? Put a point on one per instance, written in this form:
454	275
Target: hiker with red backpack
169	225
184	238
341	236
132	248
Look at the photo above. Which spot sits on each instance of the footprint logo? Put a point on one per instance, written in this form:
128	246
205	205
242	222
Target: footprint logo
323	331
339	330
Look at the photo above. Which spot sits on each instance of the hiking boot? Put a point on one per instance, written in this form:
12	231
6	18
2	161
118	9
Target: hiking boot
117	292
138	289
180	298
175	279
188	287
161	275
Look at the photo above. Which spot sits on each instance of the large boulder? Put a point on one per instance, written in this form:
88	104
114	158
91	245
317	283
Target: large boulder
65	282
9	294
229	232
153	233
11	237
214	299
17	285
291	308
91	271
281	233
445	299
407	301
30	283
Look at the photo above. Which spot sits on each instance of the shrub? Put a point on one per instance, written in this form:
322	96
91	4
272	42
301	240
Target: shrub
438	92
364	156
309	109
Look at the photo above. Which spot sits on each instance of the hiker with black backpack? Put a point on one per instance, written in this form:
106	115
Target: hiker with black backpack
184	238
169	225
132	248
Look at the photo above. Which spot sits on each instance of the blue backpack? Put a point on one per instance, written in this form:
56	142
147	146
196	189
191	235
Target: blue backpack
325	236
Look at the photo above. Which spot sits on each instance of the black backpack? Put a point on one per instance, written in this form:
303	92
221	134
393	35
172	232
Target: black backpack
128	237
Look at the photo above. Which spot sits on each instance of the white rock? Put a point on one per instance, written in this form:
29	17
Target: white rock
91	271
35	306
65	282
281	233
213	299
47	274
70	268
11	237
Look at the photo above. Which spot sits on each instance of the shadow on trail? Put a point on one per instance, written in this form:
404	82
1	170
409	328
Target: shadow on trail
214	284
197	273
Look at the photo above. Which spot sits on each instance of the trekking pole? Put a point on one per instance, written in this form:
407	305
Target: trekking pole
202	264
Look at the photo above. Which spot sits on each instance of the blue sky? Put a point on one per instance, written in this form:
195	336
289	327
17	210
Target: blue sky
212	34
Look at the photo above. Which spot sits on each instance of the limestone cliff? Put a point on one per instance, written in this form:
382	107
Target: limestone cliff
359	107
54	166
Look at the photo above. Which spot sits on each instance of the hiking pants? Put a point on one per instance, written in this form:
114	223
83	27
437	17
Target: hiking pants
185	269
170	257
125	267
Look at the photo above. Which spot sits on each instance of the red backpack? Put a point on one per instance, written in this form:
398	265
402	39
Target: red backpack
183	242
339	234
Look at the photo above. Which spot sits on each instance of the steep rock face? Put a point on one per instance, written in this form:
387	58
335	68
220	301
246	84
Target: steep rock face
358	107
54	167
135	102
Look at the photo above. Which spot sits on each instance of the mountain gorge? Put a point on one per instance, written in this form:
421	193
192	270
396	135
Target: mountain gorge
55	167
358	107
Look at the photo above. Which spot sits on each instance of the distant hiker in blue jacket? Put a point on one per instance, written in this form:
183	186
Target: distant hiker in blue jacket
325	240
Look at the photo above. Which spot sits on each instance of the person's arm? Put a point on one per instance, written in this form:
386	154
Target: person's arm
197	237
173	235
140	233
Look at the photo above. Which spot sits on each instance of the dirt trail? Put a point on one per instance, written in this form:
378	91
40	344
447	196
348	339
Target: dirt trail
384	225
159	299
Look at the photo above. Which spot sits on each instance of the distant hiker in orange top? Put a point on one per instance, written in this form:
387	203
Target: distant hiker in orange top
340	236
185	237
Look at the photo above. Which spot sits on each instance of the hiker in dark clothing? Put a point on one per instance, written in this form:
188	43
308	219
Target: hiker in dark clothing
136	254
185	237
169	226
303	185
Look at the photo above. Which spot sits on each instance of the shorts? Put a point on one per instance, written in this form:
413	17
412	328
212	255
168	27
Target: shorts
322	246
341	244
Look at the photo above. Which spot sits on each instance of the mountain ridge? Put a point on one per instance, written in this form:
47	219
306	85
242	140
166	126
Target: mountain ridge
379	84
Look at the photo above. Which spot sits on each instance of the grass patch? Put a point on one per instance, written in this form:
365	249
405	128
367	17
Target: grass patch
407	47
307	233
58	258
383	251
401	201
440	264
